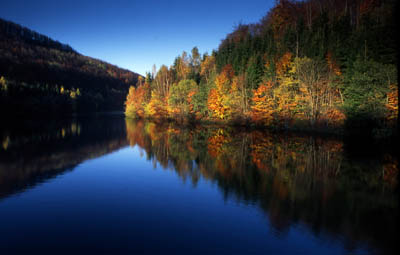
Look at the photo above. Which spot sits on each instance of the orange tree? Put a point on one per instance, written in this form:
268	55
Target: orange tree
263	104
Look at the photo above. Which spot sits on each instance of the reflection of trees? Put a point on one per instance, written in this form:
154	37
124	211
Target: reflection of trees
294	179
35	154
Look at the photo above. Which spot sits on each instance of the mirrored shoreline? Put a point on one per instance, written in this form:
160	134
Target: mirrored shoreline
307	181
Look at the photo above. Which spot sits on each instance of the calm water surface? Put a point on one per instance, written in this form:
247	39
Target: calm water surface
110	185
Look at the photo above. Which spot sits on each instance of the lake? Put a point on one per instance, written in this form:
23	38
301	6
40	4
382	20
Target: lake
109	185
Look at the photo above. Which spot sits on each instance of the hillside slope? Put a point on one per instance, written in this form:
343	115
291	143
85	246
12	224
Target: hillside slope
40	75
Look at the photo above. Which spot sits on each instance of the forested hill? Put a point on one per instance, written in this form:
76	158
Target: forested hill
312	64
41	75
343	29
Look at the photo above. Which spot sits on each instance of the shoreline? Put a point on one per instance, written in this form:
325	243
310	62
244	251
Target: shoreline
338	132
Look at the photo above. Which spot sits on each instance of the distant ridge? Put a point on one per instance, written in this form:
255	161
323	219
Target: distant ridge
41	75
18	32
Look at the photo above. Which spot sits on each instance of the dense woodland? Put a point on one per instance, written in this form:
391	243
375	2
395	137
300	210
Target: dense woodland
40	75
315	64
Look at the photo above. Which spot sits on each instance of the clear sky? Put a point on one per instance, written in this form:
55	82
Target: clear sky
135	34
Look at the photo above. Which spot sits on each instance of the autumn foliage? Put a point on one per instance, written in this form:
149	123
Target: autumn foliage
263	104
392	104
136	100
217	100
297	68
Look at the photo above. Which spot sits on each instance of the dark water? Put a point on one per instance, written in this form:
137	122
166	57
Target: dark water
107	185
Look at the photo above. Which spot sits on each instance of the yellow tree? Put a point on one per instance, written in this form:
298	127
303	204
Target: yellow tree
217	98
156	108
285	93
207	67
136	100
182	66
130	109
180	98
3	83
234	99
163	81
313	79
140	81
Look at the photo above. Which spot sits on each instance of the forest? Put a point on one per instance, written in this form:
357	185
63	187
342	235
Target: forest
327	65
40	76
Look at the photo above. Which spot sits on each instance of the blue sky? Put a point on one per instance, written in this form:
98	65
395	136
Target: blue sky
135	34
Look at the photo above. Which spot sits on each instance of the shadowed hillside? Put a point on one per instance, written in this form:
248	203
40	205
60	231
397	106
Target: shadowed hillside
39	74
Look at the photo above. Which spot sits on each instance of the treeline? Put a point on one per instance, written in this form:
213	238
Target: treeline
40	75
311	64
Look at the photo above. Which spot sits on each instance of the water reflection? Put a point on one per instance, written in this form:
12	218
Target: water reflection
34	152
299	180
